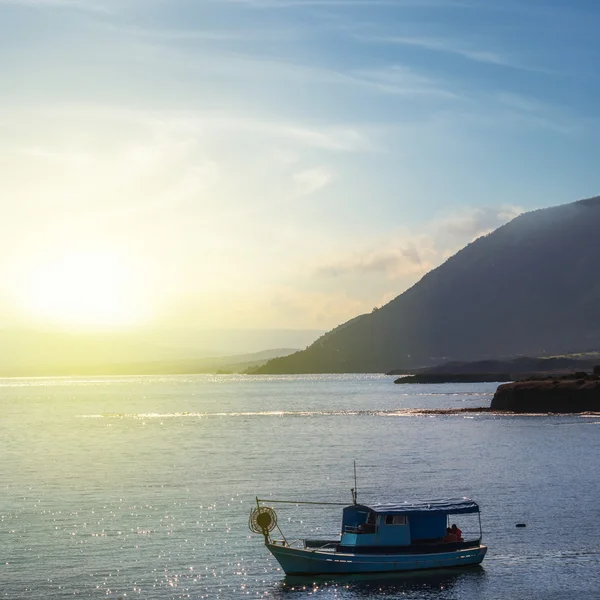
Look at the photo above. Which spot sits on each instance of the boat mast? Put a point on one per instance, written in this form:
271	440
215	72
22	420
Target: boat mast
354	490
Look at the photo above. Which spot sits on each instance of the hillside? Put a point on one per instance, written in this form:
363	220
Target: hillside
530	287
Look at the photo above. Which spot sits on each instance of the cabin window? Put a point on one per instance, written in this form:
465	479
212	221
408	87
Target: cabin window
395	520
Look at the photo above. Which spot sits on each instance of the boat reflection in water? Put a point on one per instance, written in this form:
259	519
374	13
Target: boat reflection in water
428	584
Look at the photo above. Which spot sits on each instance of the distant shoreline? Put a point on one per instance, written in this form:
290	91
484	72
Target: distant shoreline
455	378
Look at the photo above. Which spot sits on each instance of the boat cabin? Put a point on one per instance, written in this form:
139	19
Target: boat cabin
404	524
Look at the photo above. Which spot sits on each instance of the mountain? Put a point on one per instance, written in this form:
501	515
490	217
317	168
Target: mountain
528	288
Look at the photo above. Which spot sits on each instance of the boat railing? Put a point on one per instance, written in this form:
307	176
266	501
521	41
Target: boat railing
320	543
313	545
288	543
331	546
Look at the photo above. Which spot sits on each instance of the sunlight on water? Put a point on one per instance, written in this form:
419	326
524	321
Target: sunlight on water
266	413
141	487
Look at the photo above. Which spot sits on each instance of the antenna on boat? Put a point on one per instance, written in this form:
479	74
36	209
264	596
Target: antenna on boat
354	490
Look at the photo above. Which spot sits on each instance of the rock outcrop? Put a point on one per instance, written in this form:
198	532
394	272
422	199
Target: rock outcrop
574	393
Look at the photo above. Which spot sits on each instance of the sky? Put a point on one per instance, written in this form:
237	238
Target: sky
275	163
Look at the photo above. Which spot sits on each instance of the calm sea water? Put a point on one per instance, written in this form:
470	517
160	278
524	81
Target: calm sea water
141	487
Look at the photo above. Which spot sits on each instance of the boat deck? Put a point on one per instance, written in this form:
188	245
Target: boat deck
434	547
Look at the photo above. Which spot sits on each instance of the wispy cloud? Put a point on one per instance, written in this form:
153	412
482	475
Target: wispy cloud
391	79
87	5
311	180
410	257
443	45
417	252
273	306
340	137
523	112
403	81
462	48
205	34
285	304
470	223
346	3
162	161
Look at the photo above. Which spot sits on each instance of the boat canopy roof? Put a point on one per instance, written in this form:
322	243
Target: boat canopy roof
448	506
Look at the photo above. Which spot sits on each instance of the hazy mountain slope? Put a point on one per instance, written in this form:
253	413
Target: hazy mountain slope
45	352
530	287
223	364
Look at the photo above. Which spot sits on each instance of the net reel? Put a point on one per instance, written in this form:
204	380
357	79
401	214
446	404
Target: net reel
263	519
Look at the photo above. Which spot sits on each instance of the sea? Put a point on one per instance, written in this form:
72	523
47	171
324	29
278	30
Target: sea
142	487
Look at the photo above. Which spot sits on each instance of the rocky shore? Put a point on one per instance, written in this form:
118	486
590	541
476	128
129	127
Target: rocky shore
574	393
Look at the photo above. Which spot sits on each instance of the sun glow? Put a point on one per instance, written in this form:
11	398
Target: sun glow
95	289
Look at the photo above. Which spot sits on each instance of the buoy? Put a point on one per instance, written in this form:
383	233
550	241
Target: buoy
521	525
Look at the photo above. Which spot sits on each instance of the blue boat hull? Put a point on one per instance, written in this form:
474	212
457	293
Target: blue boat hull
298	561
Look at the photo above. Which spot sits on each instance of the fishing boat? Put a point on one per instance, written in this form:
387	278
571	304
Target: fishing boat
377	538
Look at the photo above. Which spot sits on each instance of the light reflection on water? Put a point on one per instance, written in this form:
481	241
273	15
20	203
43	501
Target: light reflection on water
422	585
151	498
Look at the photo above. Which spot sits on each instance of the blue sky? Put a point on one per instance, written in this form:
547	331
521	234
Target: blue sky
279	163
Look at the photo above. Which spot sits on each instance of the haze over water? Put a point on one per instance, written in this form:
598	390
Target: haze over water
142	486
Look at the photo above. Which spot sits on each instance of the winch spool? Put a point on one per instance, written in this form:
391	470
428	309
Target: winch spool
263	519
